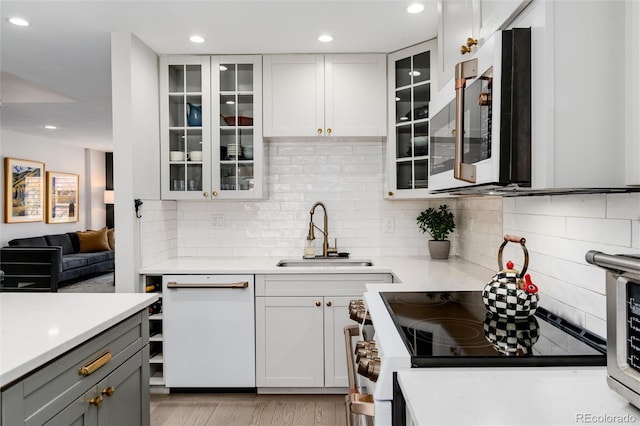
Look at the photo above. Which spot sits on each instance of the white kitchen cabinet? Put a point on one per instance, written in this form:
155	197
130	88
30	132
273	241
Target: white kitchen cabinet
290	342
211	127
632	79
460	20
299	328
410	85
578	134
338	95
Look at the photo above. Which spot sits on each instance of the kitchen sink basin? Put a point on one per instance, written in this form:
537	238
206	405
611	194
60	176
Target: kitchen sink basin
324	261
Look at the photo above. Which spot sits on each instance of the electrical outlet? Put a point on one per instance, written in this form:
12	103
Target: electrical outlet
217	221
388	226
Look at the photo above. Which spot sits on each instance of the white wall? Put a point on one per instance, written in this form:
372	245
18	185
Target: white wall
134	85
88	164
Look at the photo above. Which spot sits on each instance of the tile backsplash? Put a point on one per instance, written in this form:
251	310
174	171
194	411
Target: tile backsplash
559	231
348	178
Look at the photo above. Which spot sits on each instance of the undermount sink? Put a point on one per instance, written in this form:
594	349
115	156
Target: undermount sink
324	261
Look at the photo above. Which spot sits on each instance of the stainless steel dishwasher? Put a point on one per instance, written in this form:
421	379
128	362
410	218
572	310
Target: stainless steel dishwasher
209	331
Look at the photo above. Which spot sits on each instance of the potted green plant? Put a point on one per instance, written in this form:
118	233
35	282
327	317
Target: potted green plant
439	224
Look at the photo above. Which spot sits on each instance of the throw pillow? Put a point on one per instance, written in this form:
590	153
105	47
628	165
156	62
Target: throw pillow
91	241
111	237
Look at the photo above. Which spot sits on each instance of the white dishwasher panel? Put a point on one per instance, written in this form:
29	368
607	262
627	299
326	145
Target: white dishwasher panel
209	331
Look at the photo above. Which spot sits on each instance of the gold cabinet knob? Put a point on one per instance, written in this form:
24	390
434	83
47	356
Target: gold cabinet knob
464	49
205	194
329	130
390	193
97	401
214	194
319	131
329	303
108	391
318	303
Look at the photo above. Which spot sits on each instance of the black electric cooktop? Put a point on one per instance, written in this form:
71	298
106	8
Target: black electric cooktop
448	329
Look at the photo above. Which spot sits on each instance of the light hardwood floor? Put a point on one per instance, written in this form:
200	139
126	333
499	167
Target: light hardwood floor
240	409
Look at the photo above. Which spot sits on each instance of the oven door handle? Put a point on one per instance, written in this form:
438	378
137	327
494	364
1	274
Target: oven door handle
464	71
355	402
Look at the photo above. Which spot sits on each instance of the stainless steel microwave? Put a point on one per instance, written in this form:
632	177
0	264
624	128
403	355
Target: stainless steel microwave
482	138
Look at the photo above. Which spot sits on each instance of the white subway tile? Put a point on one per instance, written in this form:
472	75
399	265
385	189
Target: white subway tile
607	231
623	206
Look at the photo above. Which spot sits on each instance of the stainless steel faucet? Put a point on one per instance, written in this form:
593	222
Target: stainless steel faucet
325	231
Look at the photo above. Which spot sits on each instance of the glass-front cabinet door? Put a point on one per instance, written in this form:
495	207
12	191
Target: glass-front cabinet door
410	87
211	127
185	125
237	132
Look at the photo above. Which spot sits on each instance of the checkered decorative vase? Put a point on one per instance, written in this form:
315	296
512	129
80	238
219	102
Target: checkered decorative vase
508	294
511	336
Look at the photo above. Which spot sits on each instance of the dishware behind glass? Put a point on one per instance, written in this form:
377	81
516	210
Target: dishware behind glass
177	185
176	155
196	155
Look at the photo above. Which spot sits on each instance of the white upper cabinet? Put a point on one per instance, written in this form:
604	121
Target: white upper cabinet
211	127
578	94
325	95
409	92
632	79
465	22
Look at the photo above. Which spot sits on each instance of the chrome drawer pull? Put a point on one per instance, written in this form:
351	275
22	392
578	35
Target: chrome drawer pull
94	364
175	285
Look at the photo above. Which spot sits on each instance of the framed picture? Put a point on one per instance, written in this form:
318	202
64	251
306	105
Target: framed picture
23	190
62	197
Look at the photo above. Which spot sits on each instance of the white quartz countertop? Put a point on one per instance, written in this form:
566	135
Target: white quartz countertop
513	396
418	271
38	327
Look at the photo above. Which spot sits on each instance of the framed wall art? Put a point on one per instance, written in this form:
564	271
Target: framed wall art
62	197
23	190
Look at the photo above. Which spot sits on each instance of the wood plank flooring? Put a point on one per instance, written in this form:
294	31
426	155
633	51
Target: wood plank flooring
245	409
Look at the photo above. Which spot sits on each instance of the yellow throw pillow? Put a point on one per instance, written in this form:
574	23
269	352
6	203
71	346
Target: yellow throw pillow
91	241
111	237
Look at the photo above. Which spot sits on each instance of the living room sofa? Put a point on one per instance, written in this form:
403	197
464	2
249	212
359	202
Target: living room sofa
56	259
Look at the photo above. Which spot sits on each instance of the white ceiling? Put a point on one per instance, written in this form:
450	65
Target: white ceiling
57	71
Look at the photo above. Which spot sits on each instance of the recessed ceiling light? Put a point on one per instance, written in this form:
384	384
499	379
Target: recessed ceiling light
415	8
196	39
50	127
325	38
19	21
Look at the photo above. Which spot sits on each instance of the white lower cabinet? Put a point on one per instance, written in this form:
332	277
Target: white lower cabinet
299	328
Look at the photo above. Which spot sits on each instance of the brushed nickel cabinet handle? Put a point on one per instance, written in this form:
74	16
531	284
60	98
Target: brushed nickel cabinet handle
94	364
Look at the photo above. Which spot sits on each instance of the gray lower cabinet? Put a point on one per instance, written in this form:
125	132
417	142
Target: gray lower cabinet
104	381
